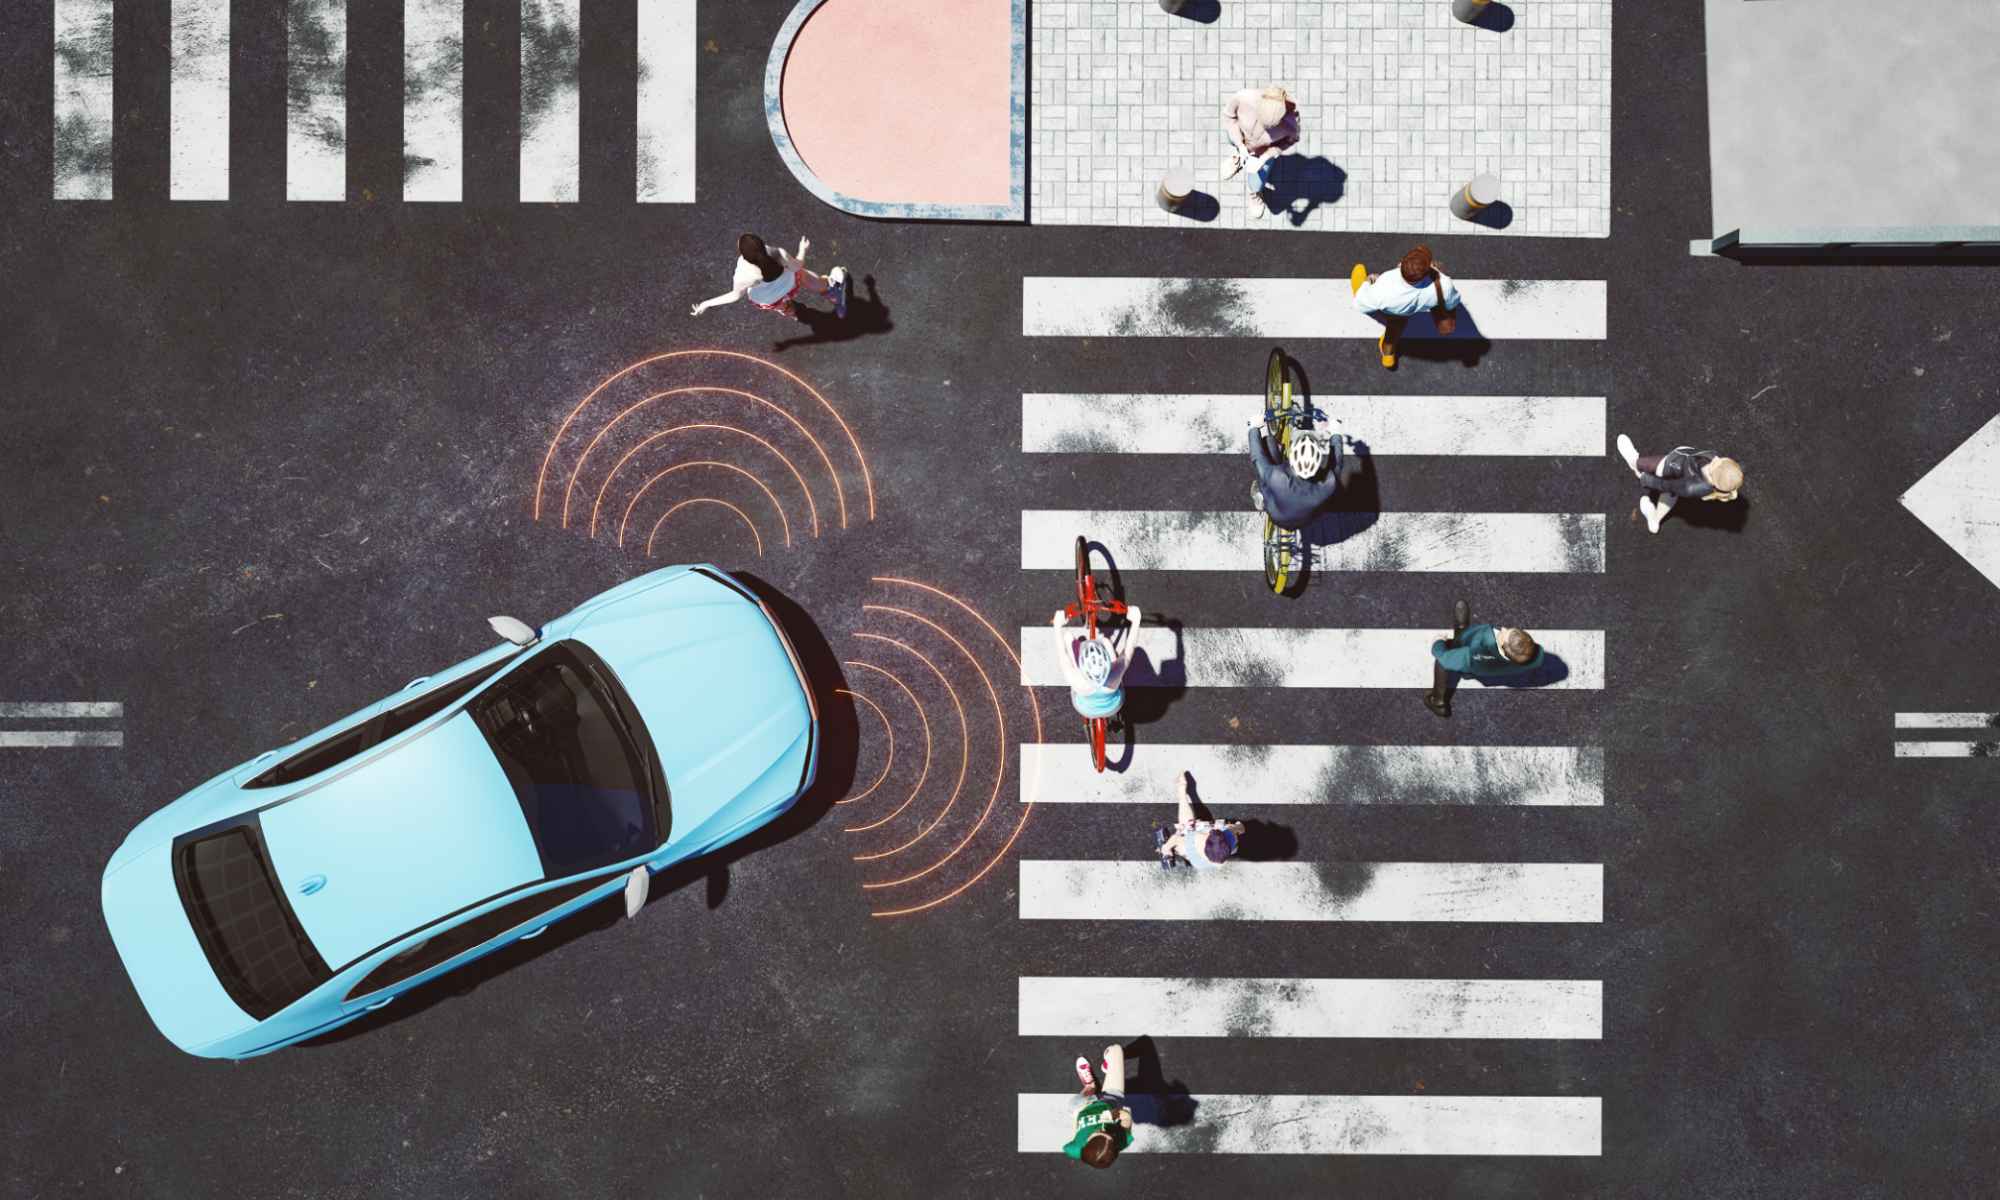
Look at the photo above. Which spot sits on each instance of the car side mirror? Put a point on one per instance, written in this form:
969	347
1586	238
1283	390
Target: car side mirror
637	885
517	632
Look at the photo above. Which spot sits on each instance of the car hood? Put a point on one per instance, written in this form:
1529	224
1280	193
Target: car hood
714	685
158	947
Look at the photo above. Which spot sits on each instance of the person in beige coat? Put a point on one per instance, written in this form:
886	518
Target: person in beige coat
1261	124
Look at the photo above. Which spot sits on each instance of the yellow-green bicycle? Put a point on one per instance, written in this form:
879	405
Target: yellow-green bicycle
1284	414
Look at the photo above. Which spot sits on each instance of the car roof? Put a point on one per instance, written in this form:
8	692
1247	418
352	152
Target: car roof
412	835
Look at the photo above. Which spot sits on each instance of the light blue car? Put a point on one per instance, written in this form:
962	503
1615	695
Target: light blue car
474	808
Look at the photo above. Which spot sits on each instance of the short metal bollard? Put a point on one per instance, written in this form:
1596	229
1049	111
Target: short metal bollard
1175	188
1467	201
1467	11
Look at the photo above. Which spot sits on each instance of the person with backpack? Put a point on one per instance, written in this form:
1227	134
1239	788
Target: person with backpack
1201	843
772	279
1682	471
1102	1123
1417	285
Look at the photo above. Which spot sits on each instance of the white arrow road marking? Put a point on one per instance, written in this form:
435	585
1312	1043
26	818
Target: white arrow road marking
666	101
1960	500
1948	749
1237	775
1122	890
316	111
1127	306
1312	1008
1139	423
1292	1124
551	102
198	101
1484	543
1947	720
433	100
56	739
1305	658
83	122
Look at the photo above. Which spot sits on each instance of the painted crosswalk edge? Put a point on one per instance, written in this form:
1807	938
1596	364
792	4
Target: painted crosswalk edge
82	100
1153	423
1140	890
54	739
1310	658
1061	773
1269	309
316	100
1947	720
667	101
65	708
1070	1006
1948	749
551	101
198	101
1568	1126
433	101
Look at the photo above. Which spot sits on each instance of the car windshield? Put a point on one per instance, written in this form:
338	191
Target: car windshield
565	734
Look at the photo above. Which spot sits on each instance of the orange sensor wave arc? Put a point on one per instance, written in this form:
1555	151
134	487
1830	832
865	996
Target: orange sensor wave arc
812	508
964	747
888	731
784	522
562	430
924	772
744	516
576	472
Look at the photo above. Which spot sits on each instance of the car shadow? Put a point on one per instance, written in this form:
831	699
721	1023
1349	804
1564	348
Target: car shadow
839	730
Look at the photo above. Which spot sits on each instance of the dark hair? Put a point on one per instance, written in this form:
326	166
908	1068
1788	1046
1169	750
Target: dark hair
1416	264
753	251
1099	1149
1217	846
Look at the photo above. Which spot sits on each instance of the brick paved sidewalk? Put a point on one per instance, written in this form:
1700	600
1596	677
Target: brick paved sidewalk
1400	106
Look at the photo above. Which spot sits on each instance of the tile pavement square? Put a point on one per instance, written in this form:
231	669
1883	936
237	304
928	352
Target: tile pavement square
1400	105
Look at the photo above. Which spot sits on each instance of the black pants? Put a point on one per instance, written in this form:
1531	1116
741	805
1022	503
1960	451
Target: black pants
1441	678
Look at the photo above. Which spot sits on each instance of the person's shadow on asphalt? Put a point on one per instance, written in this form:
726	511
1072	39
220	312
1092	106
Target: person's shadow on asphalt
1152	1097
866	314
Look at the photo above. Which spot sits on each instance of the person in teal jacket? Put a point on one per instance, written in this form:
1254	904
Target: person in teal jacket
1482	651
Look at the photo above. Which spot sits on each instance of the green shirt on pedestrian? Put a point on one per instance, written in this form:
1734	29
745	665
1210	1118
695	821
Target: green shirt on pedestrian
1092	1117
1478	654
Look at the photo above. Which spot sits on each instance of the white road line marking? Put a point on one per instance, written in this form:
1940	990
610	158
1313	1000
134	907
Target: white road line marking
56	739
551	101
316	100
1948	749
1312	1008
666	101
433	101
1128	306
1303	658
1570	1126
1947	720
1236	775
1138	423
198	101
1484	543
1127	890
82	95
86	708
1959	499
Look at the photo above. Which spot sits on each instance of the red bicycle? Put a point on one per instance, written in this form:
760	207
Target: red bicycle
1092	601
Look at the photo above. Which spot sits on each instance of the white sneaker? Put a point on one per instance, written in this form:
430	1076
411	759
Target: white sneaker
1258	209
1232	166
1652	513
1628	452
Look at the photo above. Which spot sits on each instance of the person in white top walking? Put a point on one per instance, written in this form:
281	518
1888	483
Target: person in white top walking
770	279
1417	285
1202	844
1261	124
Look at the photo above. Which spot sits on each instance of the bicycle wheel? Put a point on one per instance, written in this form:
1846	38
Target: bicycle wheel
1086	587
1274	379
1098	728
1278	572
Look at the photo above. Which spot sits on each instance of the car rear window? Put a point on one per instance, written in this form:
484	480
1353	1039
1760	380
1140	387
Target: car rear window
254	943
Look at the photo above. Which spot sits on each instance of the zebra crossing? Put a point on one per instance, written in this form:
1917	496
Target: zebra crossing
433	100
1208	655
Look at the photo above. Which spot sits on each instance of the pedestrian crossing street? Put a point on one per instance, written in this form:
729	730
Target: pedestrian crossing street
1123	894
433	100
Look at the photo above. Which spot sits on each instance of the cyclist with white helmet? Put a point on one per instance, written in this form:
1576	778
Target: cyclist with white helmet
1095	670
1290	488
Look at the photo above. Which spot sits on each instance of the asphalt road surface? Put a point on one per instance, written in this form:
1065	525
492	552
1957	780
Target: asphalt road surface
263	462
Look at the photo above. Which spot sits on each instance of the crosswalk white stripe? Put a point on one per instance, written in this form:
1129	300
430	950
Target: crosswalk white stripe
56	739
82	100
316	107
1064	1006
1486	543
1303	658
1237	775
1947	720
198	101
1129	890
666	101
1151	423
1569	1126
433	100
551	101
1128	306
1947	750
66	708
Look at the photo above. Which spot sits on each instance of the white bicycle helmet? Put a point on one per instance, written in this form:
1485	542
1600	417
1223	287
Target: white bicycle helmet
1094	659
1307	455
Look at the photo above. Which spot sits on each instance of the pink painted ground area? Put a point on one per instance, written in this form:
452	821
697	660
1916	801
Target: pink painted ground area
905	101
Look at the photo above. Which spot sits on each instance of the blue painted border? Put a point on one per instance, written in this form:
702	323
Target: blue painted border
1016	209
